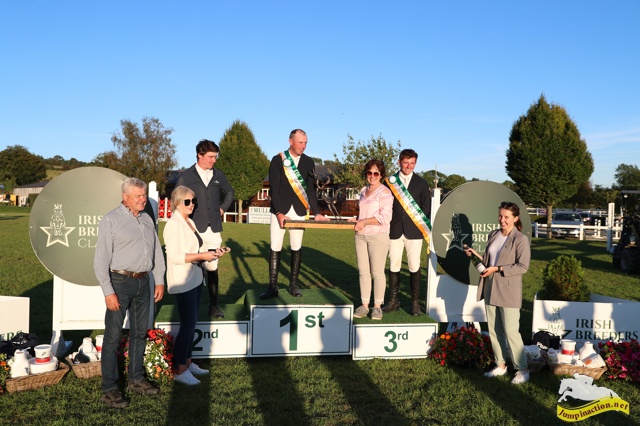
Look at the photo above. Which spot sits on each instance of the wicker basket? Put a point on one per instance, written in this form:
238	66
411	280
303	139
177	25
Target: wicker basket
86	370
38	380
570	370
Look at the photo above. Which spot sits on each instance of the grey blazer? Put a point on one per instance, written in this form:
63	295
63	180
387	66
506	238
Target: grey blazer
514	258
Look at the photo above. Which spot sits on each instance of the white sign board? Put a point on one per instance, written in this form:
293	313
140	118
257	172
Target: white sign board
82	307
14	316
259	215
296	330
601	319
219	339
392	340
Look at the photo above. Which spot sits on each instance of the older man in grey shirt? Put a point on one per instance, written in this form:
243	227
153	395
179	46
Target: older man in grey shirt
127	250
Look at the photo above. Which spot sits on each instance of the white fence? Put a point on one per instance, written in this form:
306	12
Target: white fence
592	232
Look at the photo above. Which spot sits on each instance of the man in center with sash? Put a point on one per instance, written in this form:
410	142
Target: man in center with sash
293	196
410	226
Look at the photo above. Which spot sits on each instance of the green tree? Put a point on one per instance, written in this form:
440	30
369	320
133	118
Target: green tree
147	154
547	159
430	177
356	154
512	186
602	196
242	161
453	181
108	159
627	176
19	166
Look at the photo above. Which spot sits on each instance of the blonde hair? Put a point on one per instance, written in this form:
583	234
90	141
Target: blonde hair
179	194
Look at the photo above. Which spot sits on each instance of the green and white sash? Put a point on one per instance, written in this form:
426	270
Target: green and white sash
295	179
409	205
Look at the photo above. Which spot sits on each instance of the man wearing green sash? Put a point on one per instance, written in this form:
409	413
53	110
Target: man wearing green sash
410	226
293	196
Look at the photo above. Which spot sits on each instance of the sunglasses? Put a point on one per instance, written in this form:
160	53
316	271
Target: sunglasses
370	173
188	202
507	205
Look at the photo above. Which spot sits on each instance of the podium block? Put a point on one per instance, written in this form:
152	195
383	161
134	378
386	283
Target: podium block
392	340
228	339
319	323
212	339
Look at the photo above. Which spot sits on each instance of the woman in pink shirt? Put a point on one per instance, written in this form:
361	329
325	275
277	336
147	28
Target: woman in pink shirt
372	238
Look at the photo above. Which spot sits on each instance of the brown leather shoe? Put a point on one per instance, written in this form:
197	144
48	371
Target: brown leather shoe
114	399
144	387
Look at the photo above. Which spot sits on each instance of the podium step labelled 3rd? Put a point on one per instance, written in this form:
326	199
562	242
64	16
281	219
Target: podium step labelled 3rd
319	323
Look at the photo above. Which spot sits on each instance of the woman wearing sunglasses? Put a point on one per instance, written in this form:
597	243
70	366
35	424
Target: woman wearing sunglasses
507	258
185	252
372	238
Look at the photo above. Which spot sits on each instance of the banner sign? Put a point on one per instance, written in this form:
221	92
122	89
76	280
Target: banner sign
259	215
63	225
466	216
602	319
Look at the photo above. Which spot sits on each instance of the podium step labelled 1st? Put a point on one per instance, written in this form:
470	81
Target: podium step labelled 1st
319	323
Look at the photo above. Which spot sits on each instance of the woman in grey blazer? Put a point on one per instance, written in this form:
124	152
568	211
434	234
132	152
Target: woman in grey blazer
507	258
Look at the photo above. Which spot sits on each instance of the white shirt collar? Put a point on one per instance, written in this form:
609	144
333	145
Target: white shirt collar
203	171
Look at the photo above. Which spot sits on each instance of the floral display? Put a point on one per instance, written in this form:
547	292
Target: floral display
158	355
622	359
5	373
464	346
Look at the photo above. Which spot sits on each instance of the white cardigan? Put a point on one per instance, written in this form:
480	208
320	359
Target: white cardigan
179	240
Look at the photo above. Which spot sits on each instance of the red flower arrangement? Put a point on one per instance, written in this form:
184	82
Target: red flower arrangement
465	346
158	355
5	373
622	359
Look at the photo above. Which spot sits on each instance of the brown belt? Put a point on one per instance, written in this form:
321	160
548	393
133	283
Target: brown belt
130	274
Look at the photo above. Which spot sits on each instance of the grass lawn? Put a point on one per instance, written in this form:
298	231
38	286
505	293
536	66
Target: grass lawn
306	390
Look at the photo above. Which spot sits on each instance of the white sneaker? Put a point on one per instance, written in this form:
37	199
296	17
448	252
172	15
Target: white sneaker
186	378
195	369
522	376
496	372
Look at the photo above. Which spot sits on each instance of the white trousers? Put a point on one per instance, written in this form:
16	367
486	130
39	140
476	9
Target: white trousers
212	240
414	250
277	233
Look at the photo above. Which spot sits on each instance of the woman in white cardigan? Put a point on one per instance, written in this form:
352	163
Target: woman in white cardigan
185	278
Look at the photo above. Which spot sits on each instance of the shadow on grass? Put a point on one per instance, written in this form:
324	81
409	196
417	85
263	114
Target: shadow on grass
278	400
191	404
365	398
502	394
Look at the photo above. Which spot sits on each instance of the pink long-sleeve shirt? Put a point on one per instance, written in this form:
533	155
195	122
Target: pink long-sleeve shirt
378	205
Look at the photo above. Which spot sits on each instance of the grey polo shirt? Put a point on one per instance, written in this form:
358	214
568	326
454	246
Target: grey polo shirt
128	243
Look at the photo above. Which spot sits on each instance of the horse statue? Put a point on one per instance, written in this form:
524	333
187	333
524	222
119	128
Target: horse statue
331	201
582	387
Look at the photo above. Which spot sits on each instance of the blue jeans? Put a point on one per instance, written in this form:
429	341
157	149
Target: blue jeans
133	295
188	303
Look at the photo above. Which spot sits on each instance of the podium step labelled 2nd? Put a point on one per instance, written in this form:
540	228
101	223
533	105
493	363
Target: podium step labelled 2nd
319	323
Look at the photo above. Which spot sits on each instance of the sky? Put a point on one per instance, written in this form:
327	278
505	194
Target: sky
446	78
